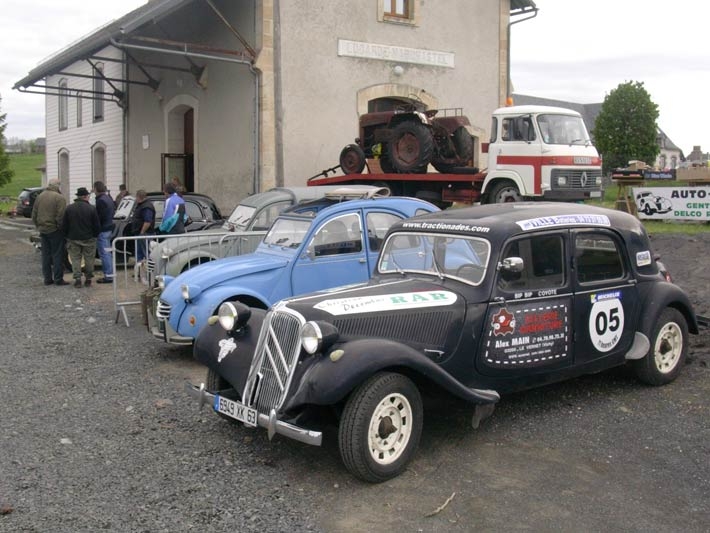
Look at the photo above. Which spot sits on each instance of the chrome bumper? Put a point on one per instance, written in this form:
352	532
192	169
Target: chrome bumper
270	421
161	330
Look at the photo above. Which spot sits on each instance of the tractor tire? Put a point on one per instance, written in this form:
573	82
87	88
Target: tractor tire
463	146
411	147
352	159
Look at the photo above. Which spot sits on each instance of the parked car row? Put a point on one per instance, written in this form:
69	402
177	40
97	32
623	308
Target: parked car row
476	302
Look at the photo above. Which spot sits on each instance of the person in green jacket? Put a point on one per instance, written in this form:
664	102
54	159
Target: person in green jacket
47	216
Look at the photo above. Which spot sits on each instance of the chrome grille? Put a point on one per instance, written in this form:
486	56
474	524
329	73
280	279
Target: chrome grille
578	179
275	360
162	310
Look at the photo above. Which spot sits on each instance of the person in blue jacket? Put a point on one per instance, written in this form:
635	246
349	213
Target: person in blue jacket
105	208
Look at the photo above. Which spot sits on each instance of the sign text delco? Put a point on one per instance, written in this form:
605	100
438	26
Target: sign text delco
673	203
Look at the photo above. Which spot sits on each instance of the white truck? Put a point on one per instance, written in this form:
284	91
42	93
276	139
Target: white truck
533	152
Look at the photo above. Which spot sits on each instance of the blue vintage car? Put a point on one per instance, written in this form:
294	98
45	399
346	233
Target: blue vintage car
330	244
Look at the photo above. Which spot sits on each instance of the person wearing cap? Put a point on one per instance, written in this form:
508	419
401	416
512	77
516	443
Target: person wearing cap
105	209
81	228
47	214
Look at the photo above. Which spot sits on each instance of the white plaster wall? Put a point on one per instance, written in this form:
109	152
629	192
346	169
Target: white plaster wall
319	113
79	140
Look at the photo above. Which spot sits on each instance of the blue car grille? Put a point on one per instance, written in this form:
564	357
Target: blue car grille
163	310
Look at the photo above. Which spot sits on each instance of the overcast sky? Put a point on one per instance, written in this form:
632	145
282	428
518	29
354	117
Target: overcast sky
574	50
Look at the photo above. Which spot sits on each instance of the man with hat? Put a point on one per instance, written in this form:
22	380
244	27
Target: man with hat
81	228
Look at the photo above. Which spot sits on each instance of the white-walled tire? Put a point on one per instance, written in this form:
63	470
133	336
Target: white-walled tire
669	347
380	427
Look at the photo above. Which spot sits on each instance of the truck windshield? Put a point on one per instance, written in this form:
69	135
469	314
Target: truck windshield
563	129
440	255
287	232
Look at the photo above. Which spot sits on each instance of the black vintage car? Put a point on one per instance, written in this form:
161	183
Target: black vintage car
479	301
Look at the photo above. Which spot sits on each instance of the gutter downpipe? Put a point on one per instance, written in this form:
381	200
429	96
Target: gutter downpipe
507	80
199	55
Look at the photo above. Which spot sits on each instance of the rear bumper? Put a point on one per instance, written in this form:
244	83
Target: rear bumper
273	425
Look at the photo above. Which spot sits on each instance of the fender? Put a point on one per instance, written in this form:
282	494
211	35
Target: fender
490	180
660	296
329	380
234	365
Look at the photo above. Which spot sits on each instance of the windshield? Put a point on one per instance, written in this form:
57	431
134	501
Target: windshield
287	232
441	255
563	129
239	219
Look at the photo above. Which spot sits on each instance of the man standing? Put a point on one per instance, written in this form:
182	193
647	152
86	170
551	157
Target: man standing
143	222
105	209
122	191
81	228
47	215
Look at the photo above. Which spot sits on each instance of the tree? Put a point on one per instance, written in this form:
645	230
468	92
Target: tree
6	172
626	127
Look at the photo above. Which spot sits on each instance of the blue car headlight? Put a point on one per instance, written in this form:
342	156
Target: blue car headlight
190	292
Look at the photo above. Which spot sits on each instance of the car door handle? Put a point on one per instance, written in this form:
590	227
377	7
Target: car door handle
362	260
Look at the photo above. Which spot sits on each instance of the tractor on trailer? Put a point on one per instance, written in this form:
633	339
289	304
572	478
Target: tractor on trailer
534	152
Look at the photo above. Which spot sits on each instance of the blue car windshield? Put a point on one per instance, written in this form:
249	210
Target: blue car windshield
287	232
441	255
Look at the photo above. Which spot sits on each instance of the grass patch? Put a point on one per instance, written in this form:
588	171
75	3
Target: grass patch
26	175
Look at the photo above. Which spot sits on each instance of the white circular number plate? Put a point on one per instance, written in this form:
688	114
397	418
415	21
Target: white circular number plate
606	324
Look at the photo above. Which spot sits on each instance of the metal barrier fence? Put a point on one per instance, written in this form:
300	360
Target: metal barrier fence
169	255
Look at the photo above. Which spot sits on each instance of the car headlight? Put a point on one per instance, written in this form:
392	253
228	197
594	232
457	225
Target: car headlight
562	180
189	292
318	336
233	315
599	180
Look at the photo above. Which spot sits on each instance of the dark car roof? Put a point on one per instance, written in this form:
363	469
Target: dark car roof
515	217
31	189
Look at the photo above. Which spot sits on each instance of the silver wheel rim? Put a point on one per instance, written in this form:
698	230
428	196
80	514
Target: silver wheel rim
509	194
668	347
390	429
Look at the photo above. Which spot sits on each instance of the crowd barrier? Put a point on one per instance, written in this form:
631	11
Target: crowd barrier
168	254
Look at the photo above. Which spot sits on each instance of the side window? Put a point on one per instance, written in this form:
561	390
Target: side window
507	131
267	216
377	226
342	235
543	264
193	211
597	258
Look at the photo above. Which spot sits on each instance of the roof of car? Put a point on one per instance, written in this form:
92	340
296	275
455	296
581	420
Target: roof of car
313	208
516	217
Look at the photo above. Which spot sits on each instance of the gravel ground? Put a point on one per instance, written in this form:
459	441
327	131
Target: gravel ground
97	434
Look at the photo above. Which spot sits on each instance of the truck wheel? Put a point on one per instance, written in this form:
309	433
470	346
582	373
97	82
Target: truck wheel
380	427
352	159
411	147
505	191
669	347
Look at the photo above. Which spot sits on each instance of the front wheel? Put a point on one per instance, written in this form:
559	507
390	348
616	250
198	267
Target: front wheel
503	192
380	427
669	347
411	147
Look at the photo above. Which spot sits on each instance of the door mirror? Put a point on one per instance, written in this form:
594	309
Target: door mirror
511	267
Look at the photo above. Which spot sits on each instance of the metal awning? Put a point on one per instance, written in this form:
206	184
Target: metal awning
122	34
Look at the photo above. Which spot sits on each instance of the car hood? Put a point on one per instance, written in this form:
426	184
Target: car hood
223	271
377	298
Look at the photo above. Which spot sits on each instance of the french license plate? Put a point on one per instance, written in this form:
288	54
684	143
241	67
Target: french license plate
235	410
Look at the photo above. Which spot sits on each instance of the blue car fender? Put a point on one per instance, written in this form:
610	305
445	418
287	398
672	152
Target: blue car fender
328	378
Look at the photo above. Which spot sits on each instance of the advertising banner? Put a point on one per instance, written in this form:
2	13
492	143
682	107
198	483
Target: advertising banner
672	203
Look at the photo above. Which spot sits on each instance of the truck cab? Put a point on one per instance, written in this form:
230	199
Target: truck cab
540	151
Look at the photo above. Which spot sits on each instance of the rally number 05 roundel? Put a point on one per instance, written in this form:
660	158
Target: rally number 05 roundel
606	323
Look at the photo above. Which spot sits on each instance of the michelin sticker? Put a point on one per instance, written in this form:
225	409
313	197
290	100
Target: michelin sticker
643	258
564	220
386	302
606	320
